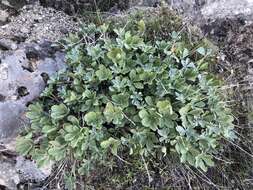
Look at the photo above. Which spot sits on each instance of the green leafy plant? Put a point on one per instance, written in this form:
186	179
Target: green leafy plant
122	94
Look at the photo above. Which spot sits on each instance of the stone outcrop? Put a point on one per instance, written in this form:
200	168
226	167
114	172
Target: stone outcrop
21	81
27	59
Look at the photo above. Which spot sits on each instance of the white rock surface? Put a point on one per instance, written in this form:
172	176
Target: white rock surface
4	15
228	8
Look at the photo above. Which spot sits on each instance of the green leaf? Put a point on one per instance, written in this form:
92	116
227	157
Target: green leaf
201	51
113	114
185	53
147	77
164	107
149	119
94	119
71	96
49	129
57	152
121	100
73	120
190	74
181	148
200	162
95	51
149	100
202	165
151	96
163	133
24	146
116	55
181	130
41	157
174	35
103	73
58	112
132	41
112	143
164	150
208	160
35	112
69	137
141	26
70	128
69	182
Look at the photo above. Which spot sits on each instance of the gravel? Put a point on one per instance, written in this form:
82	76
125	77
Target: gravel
36	23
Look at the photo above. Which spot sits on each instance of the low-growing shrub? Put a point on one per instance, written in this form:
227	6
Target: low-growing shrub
121	94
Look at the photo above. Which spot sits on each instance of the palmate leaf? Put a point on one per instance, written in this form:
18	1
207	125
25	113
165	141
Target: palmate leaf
69	128
111	143
181	130
119	84
95	51
121	100
94	119
149	119
113	114
191	74
58	152
164	107
103	73
59	111
35	112
47	129
73	120
208	160
204	161
116	55
41	158
24	146
71	133
147	76
132	41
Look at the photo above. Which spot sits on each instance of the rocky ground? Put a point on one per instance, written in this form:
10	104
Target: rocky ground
28	56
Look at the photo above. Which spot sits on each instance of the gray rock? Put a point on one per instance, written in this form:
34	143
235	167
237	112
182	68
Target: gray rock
24	30
28	170
9	177
10	119
21	81
4	15
198	10
7	44
16	169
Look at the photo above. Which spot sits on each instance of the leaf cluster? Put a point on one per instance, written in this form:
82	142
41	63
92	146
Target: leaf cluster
122	93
